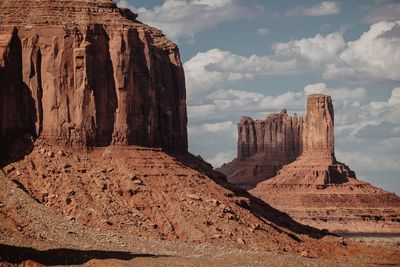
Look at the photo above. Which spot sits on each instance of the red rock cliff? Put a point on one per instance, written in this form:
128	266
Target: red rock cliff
264	146
87	73
279	135
319	140
267	146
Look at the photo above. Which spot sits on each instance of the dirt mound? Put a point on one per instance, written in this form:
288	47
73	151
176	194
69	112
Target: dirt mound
107	202
147	192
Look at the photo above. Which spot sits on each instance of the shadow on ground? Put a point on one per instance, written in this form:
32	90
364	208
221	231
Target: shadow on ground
17	255
275	218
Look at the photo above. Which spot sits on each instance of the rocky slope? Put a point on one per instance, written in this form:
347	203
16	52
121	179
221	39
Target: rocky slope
317	190
146	192
87	73
33	234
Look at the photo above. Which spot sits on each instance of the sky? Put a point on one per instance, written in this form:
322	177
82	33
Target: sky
253	58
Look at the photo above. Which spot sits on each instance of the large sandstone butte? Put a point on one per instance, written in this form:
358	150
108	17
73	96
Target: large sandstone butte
87	73
265	146
317	190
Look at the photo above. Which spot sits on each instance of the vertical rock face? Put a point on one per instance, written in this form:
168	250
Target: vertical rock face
91	74
16	103
279	135
267	146
264	146
318	190
318	127
317	164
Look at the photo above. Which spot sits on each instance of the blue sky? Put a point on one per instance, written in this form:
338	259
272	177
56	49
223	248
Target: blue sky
256	57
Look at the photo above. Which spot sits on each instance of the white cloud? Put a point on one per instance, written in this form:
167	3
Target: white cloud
353	119
209	138
336	93
374	56
179	18
370	161
385	12
205	71
221	158
228	104
321	9
263	31
384	111
318	49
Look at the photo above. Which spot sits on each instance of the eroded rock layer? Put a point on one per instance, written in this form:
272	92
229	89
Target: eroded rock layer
317	190
264	146
87	73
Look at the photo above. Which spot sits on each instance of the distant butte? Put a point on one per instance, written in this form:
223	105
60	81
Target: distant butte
265	146
295	160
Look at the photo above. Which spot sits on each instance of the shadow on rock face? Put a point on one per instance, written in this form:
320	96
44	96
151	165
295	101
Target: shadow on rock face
17	107
17	255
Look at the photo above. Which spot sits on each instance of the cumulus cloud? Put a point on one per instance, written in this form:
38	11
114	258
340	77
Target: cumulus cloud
383	12
179	18
374	56
321	9
384	111
229	104
362	120
206	70
370	161
336	93
318	49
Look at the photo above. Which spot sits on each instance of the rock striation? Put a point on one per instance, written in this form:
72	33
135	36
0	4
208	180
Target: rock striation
318	190
279	135
317	163
87	73
266	146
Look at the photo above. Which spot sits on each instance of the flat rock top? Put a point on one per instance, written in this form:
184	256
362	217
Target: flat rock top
70	14
59	12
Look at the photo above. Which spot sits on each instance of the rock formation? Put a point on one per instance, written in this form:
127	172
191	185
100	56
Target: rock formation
266	146
317	163
279	136
318	190
86	73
